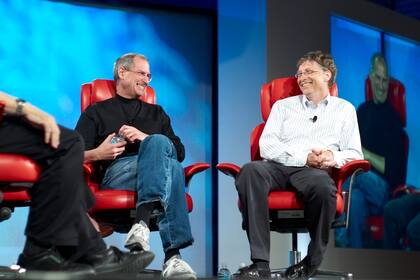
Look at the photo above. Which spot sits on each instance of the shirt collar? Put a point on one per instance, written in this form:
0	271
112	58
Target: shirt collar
309	104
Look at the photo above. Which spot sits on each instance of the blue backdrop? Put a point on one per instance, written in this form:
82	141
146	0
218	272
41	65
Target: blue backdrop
352	46
48	49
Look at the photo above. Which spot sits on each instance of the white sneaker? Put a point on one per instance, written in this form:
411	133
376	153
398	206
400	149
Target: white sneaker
176	268
138	237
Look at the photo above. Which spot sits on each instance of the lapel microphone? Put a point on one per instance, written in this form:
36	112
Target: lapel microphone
314	119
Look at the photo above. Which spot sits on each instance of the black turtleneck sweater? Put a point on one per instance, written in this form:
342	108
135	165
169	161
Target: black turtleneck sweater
382	133
103	118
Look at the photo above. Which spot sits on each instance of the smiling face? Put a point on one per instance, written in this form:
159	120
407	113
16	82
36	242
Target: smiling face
133	80
379	80
313	79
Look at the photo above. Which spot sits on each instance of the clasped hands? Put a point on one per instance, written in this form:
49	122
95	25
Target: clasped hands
321	158
109	151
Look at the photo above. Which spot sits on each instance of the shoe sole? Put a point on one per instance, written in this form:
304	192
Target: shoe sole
141	261
186	276
135	262
135	247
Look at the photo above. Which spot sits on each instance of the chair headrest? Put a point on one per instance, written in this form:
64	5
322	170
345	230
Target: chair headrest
102	89
281	88
396	97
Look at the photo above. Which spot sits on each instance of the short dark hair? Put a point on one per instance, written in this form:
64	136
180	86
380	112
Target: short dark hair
325	60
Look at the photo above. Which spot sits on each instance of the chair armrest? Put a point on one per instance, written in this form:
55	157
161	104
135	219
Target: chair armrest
193	169
405	189
229	169
88	171
339	175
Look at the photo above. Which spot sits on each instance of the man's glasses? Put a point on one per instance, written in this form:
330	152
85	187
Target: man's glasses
146	75
306	73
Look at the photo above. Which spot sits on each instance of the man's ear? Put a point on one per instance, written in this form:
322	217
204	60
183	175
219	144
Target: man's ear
328	75
121	72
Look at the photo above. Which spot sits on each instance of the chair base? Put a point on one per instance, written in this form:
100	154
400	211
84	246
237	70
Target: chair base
279	274
294	258
342	275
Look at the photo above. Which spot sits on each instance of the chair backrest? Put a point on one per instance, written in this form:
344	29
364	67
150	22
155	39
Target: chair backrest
271	92
102	89
281	88
396	96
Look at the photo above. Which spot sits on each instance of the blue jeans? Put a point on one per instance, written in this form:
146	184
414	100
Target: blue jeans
156	175
402	220
369	194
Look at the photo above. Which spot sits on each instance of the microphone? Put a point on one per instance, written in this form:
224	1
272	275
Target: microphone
314	119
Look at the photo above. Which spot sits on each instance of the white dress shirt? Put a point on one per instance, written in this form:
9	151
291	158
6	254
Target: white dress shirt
296	126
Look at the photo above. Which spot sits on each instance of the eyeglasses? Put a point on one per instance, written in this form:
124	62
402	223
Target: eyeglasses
143	74
306	73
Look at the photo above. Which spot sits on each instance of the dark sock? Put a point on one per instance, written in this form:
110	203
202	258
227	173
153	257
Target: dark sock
261	264
170	253
145	210
33	247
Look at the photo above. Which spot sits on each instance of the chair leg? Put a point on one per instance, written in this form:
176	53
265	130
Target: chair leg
295	257
294	254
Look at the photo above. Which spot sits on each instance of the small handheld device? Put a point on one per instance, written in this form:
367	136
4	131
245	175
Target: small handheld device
117	138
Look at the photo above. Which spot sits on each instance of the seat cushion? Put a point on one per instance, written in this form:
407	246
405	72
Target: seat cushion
122	199
17	168
288	200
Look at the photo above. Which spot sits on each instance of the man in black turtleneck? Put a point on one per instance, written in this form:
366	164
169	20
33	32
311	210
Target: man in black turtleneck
146	159
382	137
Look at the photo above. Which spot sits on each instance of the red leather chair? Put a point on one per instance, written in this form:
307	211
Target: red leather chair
114	210
286	209
17	173
396	97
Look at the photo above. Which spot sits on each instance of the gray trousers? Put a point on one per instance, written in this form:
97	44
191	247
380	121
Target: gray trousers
255	181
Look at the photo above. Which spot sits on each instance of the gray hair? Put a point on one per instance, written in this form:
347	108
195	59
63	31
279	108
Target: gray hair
126	61
376	59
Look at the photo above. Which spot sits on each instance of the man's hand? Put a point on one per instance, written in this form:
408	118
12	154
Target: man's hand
108	151
320	158
35	117
313	160
44	121
327	159
132	134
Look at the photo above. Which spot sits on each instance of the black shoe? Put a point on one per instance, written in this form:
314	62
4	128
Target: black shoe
300	271
252	272
51	260
113	260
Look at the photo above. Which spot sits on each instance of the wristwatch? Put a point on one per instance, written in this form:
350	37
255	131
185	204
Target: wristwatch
19	106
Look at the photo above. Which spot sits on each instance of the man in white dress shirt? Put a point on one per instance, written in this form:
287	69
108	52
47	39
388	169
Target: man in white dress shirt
303	138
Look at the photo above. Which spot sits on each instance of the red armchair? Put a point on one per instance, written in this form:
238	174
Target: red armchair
286	209
17	173
114	210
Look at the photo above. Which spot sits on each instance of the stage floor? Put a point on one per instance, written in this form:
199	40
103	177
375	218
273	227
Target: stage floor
8	274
